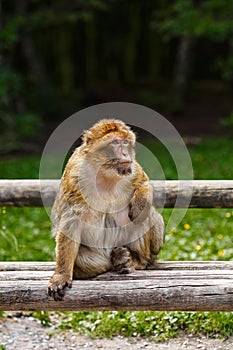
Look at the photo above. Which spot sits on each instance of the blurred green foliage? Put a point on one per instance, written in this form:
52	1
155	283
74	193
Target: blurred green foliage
210	18
58	57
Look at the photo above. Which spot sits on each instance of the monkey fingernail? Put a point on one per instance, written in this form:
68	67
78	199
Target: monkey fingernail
69	284
57	297
60	291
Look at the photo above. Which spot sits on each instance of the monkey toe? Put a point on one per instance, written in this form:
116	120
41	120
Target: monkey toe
125	269
120	255
122	261
56	293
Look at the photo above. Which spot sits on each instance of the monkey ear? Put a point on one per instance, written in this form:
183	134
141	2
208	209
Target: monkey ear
87	137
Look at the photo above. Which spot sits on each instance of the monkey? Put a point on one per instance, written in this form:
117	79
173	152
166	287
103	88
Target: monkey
103	216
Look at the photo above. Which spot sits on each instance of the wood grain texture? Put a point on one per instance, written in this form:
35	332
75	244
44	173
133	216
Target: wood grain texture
196	286
170	193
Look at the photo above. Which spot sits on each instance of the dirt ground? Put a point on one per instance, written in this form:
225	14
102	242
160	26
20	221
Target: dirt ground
27	333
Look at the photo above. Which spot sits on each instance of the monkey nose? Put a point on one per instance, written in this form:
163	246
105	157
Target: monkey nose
126	158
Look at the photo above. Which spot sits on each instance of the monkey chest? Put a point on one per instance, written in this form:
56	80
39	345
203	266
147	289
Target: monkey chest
121	218
108	219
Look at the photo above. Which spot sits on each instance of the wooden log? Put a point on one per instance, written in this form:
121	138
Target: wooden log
28	193
165	265
187	286
203	193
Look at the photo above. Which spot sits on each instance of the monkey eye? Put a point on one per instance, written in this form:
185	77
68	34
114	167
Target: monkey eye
125	142
115	142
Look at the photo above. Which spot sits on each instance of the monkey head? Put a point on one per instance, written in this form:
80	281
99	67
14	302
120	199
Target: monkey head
110	145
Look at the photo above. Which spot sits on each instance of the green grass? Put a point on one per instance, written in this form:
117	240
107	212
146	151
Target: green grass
213	159
25	232
203	234
25	235
20	168
159	325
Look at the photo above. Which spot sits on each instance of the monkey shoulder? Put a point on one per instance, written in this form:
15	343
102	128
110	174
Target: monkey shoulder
74	163
69	189
139	177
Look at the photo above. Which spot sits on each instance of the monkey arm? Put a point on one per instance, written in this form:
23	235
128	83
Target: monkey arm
66	252
140	204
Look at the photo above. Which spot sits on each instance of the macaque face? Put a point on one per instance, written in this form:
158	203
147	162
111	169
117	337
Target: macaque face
118	154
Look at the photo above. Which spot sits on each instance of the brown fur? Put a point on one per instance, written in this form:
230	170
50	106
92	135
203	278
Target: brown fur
103	216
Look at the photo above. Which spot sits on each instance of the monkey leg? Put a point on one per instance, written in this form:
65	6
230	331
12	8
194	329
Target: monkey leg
122	260
156	237
145	249
91	262
66	251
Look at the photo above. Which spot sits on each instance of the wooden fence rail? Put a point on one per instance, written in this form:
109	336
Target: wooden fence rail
202	193
194	286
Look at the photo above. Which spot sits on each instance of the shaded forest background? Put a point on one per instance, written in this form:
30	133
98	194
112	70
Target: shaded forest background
57	57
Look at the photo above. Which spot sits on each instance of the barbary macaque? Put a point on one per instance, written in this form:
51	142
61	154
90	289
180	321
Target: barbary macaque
103	217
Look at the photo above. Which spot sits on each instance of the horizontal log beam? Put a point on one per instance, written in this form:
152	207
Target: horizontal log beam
27	193
203	193
186	286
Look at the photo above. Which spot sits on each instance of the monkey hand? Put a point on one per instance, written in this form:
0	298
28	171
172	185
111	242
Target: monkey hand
57	284
139	209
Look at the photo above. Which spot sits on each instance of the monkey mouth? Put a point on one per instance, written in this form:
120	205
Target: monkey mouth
122	168
124	171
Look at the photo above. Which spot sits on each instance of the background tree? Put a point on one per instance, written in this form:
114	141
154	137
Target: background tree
192	20
58	57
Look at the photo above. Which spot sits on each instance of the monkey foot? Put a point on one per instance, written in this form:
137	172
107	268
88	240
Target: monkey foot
121	260
57	285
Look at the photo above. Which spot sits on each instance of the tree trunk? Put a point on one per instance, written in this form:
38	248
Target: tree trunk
132	41
34	62
182	68
46	96
91	53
